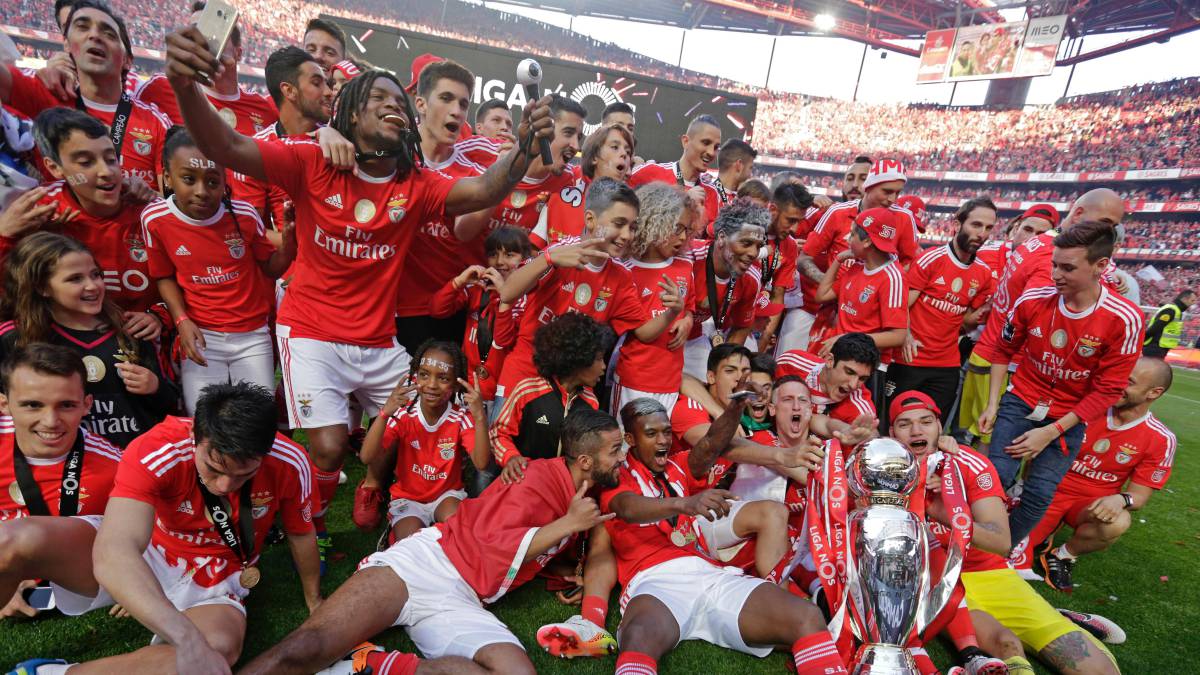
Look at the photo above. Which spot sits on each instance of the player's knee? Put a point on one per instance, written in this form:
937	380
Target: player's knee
806	617
773	514
1007	642
643	635
1118	526
227	643
18	545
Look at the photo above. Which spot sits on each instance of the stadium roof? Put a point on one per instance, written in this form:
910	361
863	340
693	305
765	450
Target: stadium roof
880	23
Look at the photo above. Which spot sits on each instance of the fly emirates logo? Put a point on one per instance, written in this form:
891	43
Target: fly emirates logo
1054	366
354	243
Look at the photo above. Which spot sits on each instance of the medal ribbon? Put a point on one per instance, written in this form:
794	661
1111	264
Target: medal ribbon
68	494
221	514
121	118
718	312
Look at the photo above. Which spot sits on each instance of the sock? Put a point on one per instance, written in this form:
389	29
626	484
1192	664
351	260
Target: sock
595	609
636	663
392	663
1018	665
924	663
815	655
54	668
1062	552
961	629
327	484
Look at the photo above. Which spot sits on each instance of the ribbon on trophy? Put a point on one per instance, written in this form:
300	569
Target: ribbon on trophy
962	524
828	503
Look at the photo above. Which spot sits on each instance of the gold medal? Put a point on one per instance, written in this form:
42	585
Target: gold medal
95	368
717	339
249	577
14	492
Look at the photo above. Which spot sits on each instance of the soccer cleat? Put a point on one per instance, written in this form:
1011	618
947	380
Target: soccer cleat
1028	574
1104	630
368	504
1058	571
956	670
977	662
576	637
30	666
354	663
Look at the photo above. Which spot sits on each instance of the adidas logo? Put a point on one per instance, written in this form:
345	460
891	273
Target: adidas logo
543	420
940	280
416	445
334	201
645	292
569	287
185	507
182	250
1036	332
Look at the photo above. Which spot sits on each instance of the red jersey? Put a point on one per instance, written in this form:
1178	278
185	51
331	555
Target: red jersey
980	480
653	367
740	310
808	366
159	468
429	457
685	416
1026	266
224	288
437	256
95	481
523	206
563	216
994	254
827	239
1076	361
605	292
117	245
501	325
141	147
777	269
948	289
353	232
871	301
1141	451
247	112
639	546
268	199
668	172
488	538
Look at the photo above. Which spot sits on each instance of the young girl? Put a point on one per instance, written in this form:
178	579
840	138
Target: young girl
491	326
54	292
425	439
607	153
211	259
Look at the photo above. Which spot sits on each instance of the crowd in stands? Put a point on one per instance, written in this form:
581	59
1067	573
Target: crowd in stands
1158	234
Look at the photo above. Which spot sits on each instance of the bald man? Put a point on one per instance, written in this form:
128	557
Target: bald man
1126	457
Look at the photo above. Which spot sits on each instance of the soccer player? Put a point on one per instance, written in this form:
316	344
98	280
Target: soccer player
700	144
1163	333
835	381
948	288
607	153
777	271
1126	457
569	357
189	512
585	277
726	283
54	469
655	369
493	119
353	230
735	165
675	593
1034	221
870	290
620	114
1078	342
95	39
246	111
325	41
437	582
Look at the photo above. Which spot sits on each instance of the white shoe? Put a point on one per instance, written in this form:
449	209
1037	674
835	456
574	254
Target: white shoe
1104	630
353	663
1028	574
342	478
576	637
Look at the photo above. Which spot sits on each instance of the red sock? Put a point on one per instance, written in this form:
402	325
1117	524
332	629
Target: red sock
393	663
961	629
327	484
815	655
636	663
595	609
924	663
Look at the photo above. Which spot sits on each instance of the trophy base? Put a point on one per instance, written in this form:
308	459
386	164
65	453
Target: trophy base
884	660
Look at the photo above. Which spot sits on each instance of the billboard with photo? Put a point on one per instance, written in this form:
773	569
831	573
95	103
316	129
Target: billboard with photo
991	51
662	108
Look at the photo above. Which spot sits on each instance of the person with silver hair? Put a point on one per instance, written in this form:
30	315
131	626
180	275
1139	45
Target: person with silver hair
654	369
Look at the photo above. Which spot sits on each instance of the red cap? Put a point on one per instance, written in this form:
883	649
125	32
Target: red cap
880	225
768	310
348	69
418	65
1043	211
911	400
916	206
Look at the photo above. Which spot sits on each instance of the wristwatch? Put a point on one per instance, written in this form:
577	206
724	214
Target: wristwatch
1128	500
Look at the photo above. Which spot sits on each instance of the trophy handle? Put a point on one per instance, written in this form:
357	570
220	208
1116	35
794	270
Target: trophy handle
935	601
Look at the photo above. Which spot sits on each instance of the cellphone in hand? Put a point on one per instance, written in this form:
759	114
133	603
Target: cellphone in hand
39	597
739	395
216	23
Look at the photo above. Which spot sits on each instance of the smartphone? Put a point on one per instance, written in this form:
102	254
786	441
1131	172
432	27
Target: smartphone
739	395
39	597
216	22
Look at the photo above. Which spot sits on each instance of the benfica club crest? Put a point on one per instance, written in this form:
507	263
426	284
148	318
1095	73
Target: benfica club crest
237	247
865	295
446	450
396	209
137	249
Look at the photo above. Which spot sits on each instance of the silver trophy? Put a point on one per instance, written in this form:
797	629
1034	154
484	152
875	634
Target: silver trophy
888	588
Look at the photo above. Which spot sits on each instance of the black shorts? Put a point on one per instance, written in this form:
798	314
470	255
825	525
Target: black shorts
941	384
412	331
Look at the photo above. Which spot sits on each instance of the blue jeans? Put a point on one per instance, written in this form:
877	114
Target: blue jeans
1045	471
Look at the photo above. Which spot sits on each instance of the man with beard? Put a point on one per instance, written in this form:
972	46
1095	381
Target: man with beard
735	164
948	288
326	42
700	145
777	269
435	583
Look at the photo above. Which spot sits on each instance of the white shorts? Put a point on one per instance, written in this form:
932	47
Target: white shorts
232	357
719	534
695	356
176	583
622	395
443	616
794	331
318	376
407	508
704	599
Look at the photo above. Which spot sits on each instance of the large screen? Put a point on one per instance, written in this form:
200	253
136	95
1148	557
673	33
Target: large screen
991	51
662	108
